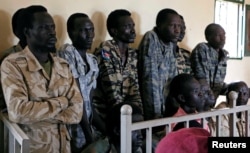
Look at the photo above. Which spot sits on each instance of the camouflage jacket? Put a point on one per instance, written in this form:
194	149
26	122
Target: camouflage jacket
5	53
157	67
87	80
205	63
116	83
41	104
183	60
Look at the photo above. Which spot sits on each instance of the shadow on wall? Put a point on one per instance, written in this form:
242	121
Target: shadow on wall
61	30
99	21
136	17
6	34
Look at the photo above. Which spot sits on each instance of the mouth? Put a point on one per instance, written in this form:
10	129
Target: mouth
139	144
52	40
89	42
133	36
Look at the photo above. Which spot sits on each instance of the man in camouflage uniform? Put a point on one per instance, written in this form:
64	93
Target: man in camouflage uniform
84	68
118	78
40	92
209	60
182	55
157	62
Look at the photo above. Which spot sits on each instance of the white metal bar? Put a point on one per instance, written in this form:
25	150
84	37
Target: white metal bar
218	114
126	123
148	140
11	143
15	140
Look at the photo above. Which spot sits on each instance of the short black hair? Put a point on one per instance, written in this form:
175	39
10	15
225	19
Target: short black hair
175	88
16	26
28	14
178	82
112	20
161	16
209	30
114	115
71	20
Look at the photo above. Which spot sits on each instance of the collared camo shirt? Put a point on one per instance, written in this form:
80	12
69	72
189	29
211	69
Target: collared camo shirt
116	83
87	80
157	67
41	104
205	63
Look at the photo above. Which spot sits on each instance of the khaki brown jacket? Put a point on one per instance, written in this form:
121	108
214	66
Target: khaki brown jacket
39	103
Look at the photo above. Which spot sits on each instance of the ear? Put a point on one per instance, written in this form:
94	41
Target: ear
26	32
114	31
181	98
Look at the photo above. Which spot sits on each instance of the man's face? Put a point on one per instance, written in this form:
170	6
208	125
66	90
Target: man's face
42	35
83	33
217	38
125	31
243	94
193	96
136	135
183	30
171	28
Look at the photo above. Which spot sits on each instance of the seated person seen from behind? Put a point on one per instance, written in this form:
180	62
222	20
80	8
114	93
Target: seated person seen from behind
243	94
186	140
184	98
112	143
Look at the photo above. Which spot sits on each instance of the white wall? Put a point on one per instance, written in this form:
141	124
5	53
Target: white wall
197	14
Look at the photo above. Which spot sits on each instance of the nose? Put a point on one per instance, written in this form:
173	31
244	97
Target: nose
51	30
177	29
133	30
90	34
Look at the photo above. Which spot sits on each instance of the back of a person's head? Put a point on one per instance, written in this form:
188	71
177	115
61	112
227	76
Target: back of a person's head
113	19
178	84
28	14
185	140
71	21
162	15
16	28
114	116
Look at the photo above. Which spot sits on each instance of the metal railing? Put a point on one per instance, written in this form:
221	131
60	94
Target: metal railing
12	138
127	126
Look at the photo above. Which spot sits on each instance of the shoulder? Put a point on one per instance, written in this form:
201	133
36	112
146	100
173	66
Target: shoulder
185	52
200	49
59	59
150	35
201	46
104	51
66	49
16	57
